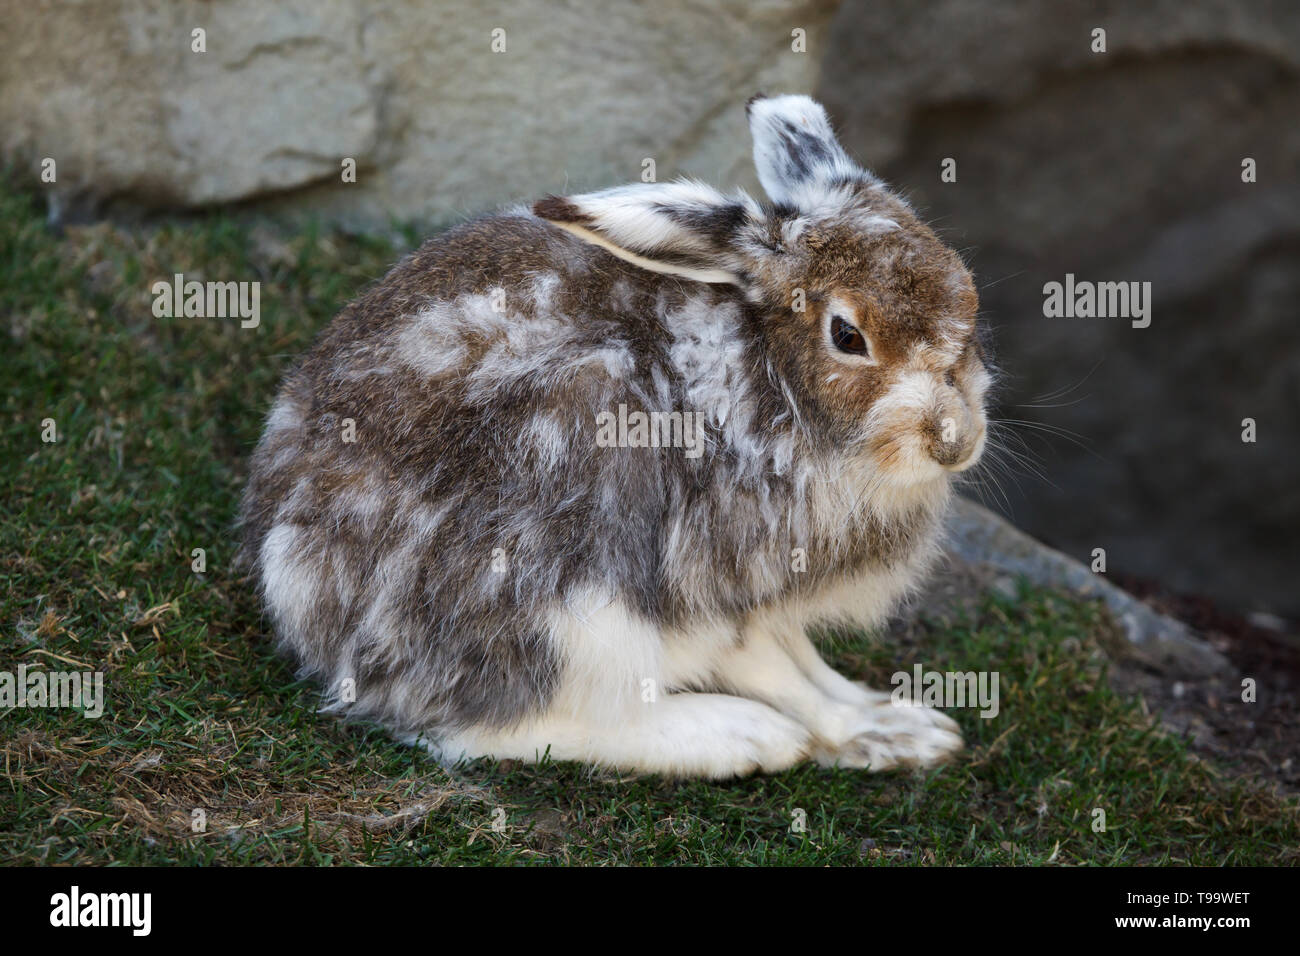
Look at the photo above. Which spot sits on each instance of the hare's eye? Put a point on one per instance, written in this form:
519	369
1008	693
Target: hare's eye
846	337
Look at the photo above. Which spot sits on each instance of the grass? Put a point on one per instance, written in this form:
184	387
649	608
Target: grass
155	418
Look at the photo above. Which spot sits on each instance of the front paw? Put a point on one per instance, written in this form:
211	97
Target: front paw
885	734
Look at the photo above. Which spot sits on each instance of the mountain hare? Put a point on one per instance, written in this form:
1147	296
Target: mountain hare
574	479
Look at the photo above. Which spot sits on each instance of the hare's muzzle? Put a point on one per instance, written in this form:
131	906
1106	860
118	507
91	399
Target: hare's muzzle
954	434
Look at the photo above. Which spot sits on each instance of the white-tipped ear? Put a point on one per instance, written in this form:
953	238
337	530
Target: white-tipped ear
681	228
798	158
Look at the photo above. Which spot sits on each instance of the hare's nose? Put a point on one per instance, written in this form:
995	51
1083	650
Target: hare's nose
955	441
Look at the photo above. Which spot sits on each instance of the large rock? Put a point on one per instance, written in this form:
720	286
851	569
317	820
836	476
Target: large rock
438	123
984	552
1120	166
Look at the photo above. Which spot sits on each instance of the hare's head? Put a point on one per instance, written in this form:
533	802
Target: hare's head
866	317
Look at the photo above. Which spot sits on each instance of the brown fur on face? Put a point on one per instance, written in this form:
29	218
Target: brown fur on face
907	292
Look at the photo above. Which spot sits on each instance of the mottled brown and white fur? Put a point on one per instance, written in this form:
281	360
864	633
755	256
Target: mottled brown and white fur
441	540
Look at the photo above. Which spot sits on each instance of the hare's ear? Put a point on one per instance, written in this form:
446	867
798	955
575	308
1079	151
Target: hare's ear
800	162
681	228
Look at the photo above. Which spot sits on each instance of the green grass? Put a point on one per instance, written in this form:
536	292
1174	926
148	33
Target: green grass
156	418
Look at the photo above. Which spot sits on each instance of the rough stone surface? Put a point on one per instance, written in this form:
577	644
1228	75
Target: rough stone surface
440	125
1122	166
984	552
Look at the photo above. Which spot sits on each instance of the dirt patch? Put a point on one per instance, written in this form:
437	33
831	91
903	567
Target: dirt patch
1259	737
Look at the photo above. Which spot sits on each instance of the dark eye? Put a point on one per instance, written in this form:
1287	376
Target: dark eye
846	337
